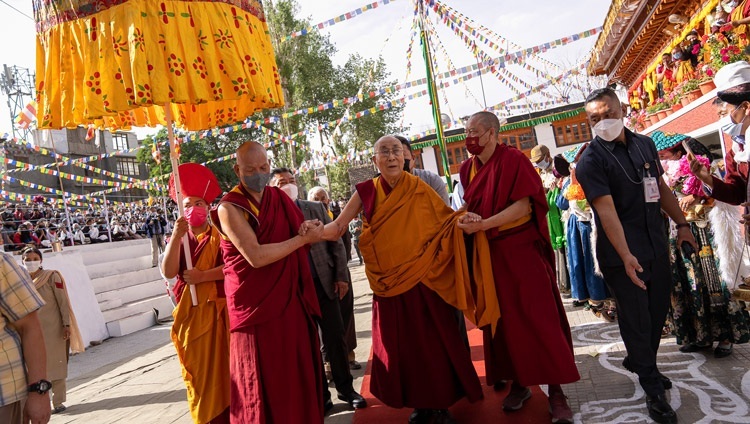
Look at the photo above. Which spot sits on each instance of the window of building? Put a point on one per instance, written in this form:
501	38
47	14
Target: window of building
120	141
524	139
127	166
572	130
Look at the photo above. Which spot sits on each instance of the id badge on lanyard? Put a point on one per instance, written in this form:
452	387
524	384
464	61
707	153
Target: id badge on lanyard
650	185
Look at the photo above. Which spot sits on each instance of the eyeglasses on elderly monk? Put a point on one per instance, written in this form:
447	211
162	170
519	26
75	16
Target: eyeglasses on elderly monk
386	152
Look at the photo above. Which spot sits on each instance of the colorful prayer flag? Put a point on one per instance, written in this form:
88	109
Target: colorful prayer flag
27	115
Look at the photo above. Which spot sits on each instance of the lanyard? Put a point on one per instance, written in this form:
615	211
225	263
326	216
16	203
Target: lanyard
646	165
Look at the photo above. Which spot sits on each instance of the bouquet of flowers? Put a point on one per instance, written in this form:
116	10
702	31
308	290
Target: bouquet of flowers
680	179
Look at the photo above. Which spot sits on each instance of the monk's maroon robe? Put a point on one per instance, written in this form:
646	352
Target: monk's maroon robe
532	344
275	368
419	358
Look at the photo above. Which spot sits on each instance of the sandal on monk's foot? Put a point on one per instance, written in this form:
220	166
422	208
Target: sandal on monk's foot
420	416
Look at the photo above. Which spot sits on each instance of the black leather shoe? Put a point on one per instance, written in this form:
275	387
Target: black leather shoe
692	347
722	352
659	410
354	399
327	406
420	416
354	365
665	381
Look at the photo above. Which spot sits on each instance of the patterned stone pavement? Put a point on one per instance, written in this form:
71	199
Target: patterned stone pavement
137	379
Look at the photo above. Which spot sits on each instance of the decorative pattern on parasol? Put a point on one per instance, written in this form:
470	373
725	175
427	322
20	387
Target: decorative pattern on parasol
120	63
116	63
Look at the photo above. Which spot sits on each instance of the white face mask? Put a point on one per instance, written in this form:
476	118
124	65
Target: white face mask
32	266
609	129
291	190
729	127
543	164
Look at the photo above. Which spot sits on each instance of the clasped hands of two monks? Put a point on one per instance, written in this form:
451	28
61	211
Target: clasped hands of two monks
313	230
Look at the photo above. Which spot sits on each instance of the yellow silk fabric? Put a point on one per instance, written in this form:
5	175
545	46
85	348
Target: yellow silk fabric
742	29
201	336
213	62
413	238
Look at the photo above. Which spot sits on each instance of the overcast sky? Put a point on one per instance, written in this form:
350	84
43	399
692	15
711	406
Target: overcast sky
526	23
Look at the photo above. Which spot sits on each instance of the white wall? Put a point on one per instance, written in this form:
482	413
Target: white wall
52	139
429	159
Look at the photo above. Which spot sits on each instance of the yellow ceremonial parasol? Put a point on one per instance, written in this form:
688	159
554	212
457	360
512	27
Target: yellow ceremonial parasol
115	64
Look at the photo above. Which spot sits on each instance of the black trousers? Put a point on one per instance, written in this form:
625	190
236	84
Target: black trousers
641	315
356	248
332	329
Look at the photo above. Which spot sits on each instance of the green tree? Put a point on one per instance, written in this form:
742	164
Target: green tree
198	151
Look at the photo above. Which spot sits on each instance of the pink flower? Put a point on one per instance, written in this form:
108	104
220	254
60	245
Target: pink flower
710	72
723	51
725	58
685	165
694	186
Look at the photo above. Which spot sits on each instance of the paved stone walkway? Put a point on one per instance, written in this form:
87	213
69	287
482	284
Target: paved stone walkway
137	378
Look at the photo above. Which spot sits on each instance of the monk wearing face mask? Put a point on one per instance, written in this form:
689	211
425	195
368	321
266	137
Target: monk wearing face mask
274	355
204	354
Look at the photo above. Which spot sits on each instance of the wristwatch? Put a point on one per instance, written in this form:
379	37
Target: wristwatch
41	387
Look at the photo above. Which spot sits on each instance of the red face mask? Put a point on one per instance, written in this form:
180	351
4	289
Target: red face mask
472	144
196	215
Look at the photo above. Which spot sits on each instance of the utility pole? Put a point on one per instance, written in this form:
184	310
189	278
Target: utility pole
432	90
18	84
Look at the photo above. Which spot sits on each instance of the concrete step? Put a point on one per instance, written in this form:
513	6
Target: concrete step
109	252
131	324
127	279
160	302
130	294
121	266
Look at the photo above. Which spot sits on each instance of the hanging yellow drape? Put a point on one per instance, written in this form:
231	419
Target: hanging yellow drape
115	63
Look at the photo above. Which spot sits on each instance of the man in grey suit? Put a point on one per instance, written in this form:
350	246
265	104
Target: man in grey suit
328	265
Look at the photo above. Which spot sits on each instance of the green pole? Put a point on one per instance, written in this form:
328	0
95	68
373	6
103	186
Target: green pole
432	90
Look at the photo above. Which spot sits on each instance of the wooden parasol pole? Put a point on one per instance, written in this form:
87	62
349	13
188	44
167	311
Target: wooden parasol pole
175	160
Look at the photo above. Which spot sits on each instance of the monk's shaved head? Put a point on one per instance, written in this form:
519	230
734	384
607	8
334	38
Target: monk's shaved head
249	151
486	120
251	159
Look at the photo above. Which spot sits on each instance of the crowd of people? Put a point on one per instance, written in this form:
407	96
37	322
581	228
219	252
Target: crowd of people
640	230
41	225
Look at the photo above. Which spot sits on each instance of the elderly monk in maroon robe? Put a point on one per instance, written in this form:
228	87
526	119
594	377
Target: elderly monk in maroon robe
415	262
532	344
275	364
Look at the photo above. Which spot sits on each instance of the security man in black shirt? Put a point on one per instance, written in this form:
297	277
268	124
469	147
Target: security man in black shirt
620	174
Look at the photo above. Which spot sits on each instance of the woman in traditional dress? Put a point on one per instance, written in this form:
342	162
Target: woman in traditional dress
703	311
58	323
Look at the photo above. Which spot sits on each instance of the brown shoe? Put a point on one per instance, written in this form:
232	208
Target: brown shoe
558	407
515	399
